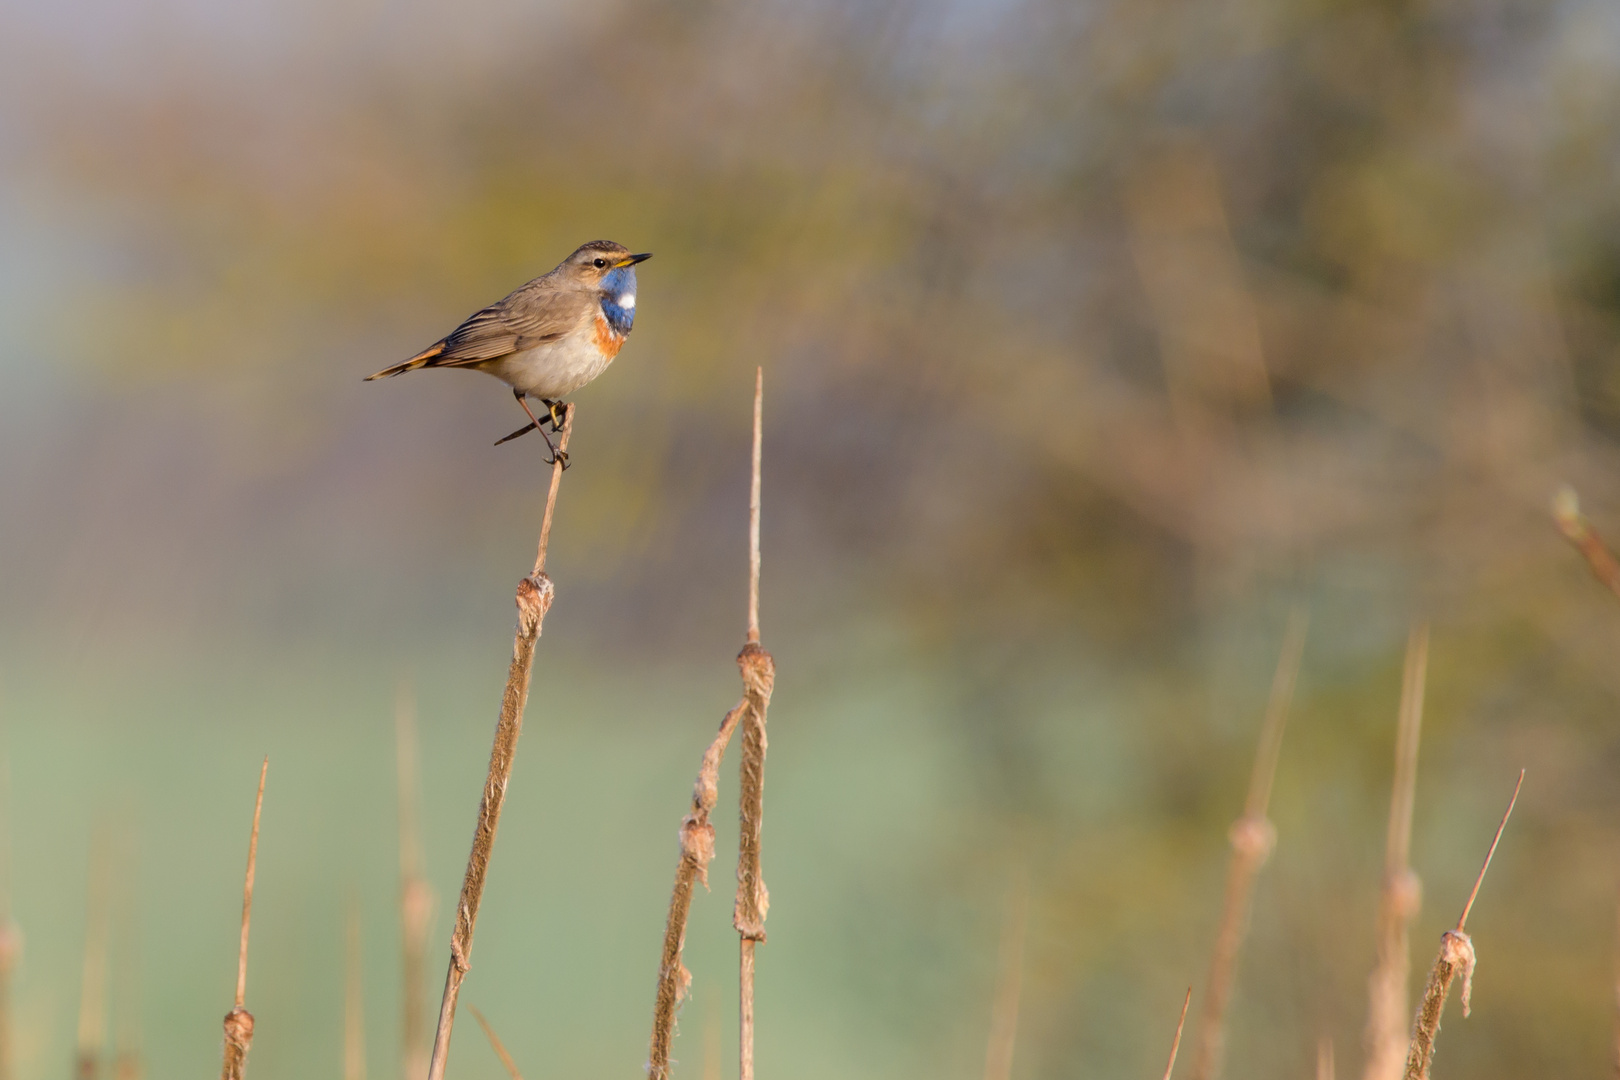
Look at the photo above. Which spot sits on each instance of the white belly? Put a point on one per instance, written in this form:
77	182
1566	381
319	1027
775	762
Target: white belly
552	370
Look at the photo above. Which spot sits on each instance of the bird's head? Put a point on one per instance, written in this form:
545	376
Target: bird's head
604	265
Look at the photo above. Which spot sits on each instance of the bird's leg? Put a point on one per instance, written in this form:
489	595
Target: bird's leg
524	430
556	455
556	410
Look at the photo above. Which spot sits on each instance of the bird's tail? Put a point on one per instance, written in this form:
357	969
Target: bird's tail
425	358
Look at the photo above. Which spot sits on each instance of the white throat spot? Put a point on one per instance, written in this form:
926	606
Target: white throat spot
626	300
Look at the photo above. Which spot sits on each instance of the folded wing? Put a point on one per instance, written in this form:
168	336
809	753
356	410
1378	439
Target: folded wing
527	318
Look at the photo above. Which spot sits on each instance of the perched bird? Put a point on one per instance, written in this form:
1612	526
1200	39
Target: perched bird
550	337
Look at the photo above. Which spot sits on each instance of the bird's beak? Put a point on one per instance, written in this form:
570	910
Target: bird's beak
631	260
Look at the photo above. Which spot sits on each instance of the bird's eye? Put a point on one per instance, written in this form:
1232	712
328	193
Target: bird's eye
599	263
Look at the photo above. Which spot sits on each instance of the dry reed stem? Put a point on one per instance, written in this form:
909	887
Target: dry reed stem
239	1022
1388	1034
495	1042
93	985
10	933
1324	1058
10	946
998	1055
697	849
551	493
745	1010
126	977
711	1046
1456	959
1252	837
1573	524
753	508
1617	995
534	596
415	896
759	677
354	999
1175	1044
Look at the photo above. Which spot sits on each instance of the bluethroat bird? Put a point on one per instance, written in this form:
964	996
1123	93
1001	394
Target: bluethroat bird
550	337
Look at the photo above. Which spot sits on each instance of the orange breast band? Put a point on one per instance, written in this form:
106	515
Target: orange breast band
605	338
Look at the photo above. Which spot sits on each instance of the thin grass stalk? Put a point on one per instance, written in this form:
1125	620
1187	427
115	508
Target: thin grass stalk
998	1055
711	1046
697	850
10	947
1324	1058
10	933
354	998
1388	1032
126	977
1573	524
753	507
92	1032
1456	960
415	895
1252	838
496	1044
759	678
534	596
1616	1070
239	1022
1175	1044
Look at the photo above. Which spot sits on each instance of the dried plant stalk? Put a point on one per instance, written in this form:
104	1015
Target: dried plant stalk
495	1043
1324	1058
1617	995
998	1055
1456	960
93	984
1252	837
127	1066
1175	1044
1388	1033
697	849
415	896
697	833
1573	524
354	1000
534	596
10	933
126	978
10	946
753	507
759	678
711	1045
239	1022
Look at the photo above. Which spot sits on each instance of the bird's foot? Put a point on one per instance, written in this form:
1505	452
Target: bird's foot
556	454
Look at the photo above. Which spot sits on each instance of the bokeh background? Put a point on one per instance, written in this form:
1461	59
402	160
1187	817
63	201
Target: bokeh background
1096	337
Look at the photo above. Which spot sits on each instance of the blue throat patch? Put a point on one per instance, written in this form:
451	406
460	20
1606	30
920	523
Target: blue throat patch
615	284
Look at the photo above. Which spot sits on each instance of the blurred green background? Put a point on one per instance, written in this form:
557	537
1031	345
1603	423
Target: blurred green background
1096	336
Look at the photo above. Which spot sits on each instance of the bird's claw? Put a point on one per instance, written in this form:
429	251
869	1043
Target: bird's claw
556	412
